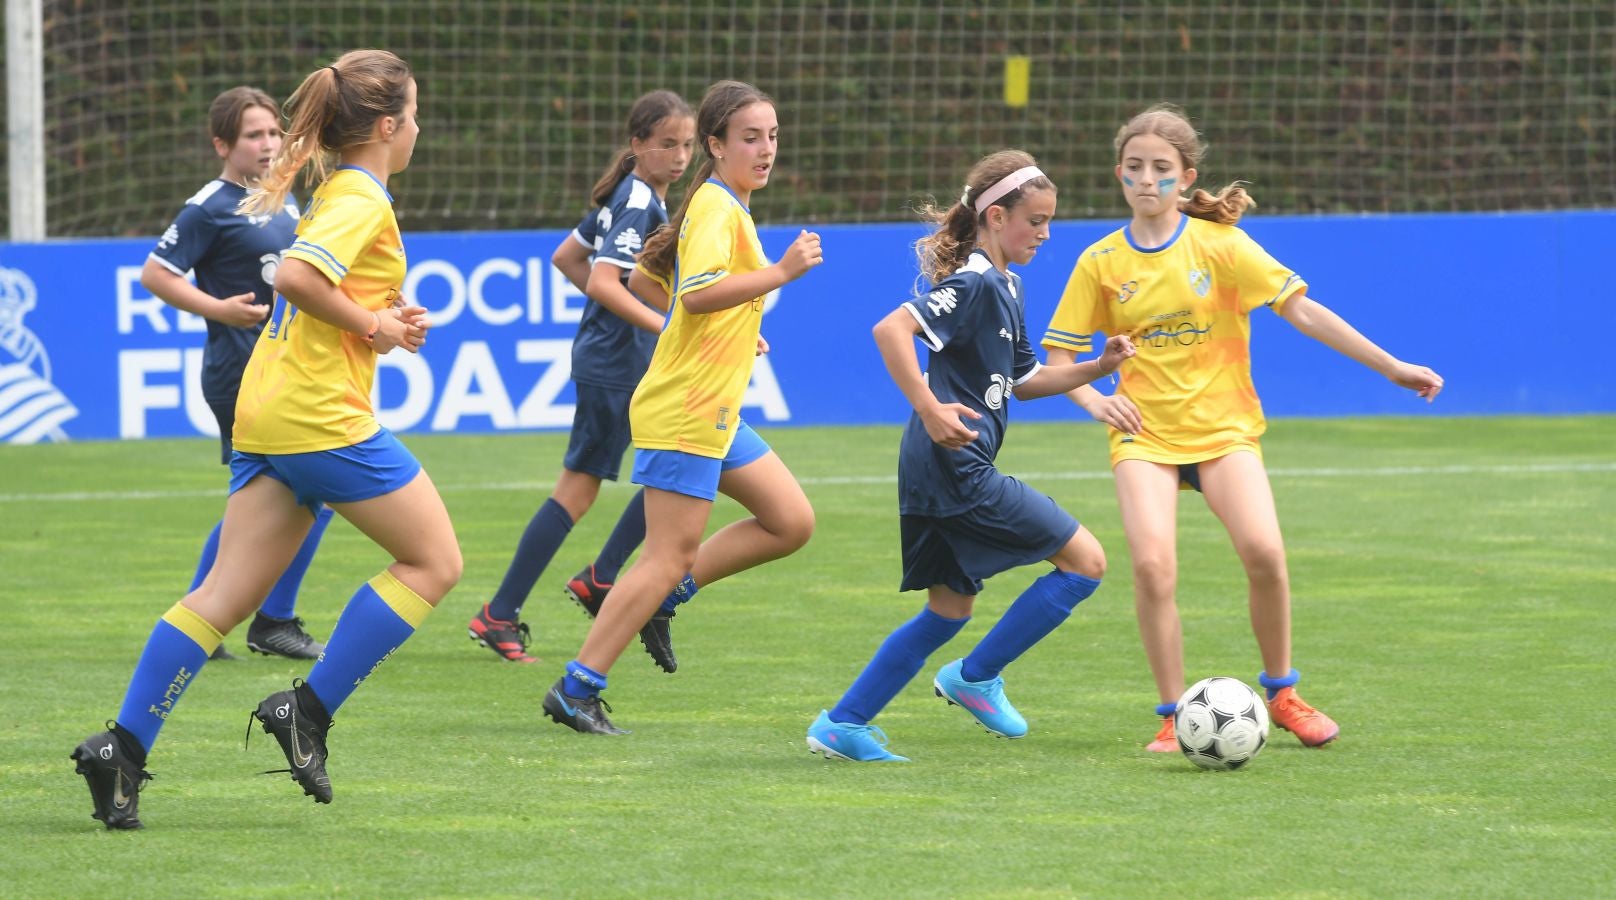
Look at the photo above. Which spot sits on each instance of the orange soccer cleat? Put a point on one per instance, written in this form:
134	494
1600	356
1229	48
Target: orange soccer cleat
1166	740
1290	712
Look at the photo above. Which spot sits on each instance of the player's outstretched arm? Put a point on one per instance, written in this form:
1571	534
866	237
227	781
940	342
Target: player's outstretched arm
1063	379
1114	409
895	337
1320	323
803	254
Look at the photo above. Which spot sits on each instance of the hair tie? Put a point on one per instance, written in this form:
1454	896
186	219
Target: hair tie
334	72
1009	183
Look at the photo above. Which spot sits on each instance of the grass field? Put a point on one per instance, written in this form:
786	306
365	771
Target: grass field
1454	584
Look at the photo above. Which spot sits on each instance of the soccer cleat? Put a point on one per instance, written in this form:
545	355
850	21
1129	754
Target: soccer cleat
985	700
114	780
586	715
220	652
1290	712
588	593
658	641
282	637
286	715
1166	739
855	743
507	639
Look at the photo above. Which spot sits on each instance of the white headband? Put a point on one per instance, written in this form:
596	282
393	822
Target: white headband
1009	183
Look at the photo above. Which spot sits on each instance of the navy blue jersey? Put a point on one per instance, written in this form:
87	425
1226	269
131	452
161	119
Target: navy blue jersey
231	254
974	324
609	351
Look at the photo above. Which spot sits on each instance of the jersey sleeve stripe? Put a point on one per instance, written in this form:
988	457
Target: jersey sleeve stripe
319	252
580	239
165	264
1084	342
702	280
1036	368
1288	285
929	337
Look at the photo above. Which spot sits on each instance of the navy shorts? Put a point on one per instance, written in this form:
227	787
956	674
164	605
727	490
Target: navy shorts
1012	525
225	414
371	468
692	475
600	431
1189	476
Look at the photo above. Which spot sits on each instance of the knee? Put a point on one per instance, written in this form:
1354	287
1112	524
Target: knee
439	573
1155	572
1082	555
1265	563
798	528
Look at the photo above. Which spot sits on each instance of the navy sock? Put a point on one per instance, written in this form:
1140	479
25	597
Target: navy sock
582	682
683	593
1275	685
626	537
540	541
899	658
210	552
282	600
176	651
380	617
1039	610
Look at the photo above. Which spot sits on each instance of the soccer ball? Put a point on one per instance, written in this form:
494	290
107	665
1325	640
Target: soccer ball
1221	723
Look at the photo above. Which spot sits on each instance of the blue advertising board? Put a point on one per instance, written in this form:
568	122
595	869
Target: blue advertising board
1489	301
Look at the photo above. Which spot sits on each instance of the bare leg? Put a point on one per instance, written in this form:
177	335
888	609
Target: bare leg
413	526
576	492
1147	493
263	528
1238	492
781	523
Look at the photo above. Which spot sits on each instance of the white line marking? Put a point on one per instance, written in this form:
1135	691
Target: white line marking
835	480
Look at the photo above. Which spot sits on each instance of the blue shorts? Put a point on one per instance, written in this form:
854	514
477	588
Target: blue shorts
1189	476
692	475
1012	525
600	431
373	467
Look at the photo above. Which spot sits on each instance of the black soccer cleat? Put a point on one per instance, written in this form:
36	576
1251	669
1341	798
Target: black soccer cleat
220	652
114	779
588	593
282	637
584	715
658	641
299	723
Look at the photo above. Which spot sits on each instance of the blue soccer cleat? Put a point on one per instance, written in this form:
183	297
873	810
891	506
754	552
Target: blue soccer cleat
983	699
857	743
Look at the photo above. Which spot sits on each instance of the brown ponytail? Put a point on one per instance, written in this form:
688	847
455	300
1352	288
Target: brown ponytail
334	108
1169	123
943	251
718	105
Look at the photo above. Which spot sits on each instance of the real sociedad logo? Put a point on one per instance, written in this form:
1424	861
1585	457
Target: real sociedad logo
994	397
1201	279
31	408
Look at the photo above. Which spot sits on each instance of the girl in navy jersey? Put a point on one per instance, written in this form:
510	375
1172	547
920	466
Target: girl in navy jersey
616	337
962	520
235	257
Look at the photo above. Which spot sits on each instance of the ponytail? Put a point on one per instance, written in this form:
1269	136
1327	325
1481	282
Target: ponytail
313	105
1225	207
663	244
616	171
942	252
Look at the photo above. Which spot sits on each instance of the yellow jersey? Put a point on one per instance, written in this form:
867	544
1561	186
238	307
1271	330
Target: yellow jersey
307	386
690	397
1187	306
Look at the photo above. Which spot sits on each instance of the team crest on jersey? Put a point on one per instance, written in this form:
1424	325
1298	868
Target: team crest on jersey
32	409
994	396
942	301
628	242
1201	278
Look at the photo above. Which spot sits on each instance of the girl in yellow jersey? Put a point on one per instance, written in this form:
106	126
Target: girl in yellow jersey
1183	281
305	435
685	415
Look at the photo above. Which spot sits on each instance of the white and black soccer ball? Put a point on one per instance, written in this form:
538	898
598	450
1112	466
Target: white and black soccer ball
1221	723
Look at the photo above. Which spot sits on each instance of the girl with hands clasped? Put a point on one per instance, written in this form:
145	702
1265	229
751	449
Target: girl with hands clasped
690	441
306	435
961	519
1184	280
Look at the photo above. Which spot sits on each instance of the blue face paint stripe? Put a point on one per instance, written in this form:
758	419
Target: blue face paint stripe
1166	186
1127	181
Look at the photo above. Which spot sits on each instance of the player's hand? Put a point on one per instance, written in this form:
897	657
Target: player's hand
944	427
763	345
803	254
401	326
1117	348
1117	411
240	311
1419	379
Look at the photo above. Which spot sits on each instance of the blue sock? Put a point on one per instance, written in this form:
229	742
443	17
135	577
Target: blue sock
626	536
1039	610
683	593
582	681
210	552
174	654
1275	685
899	658
540	541
1166	709
282	600
380	617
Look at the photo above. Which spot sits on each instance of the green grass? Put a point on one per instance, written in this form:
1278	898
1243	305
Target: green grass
1454	581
